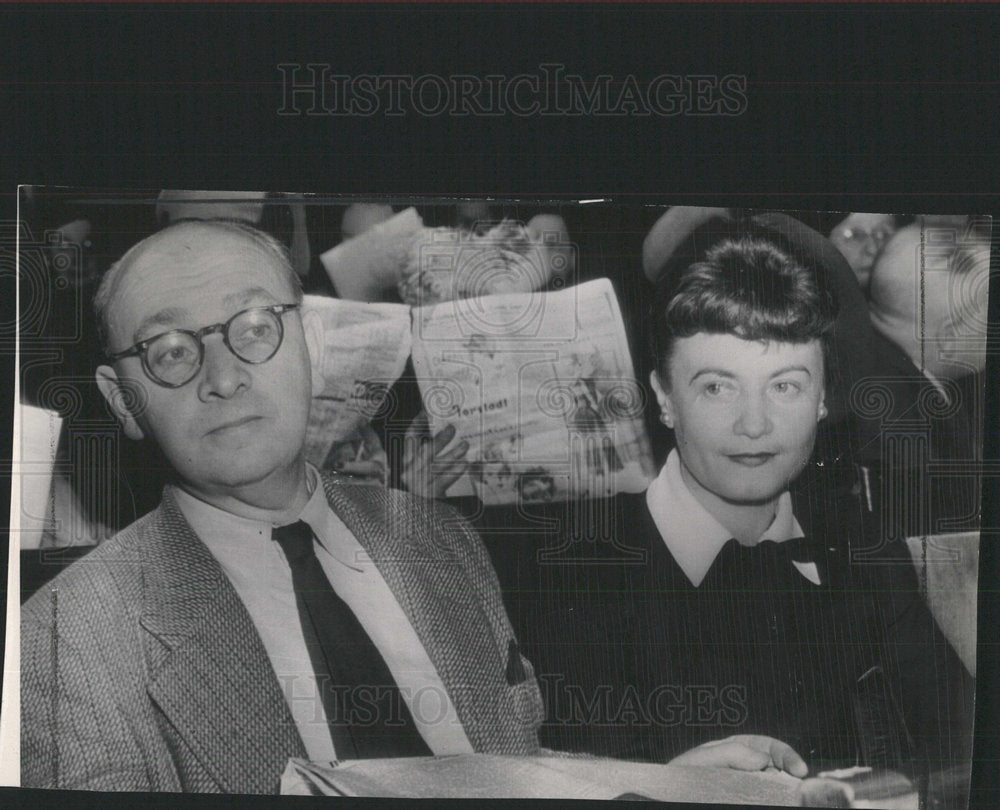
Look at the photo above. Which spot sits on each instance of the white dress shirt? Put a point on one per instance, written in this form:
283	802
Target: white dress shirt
694	538
259	572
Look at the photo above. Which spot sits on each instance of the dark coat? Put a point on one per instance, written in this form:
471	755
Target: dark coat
634	662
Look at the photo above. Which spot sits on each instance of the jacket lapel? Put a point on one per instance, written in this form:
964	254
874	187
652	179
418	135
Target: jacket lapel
209	672
435	592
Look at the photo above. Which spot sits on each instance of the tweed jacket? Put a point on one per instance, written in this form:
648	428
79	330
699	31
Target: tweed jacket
141	668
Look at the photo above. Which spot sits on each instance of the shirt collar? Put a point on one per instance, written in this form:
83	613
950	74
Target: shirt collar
316	512
692	535
216	527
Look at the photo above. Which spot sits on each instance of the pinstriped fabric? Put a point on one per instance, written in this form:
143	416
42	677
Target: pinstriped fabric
150	675
432	560
144	671
84	714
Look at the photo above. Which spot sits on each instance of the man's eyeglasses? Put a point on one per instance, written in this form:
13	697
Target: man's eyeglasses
174	358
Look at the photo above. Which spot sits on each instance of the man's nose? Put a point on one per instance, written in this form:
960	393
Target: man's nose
754	418
223	374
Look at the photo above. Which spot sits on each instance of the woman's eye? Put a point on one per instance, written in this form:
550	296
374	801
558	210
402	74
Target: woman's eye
717	389
786	388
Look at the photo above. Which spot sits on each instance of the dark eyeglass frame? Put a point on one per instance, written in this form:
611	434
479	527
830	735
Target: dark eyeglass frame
140	349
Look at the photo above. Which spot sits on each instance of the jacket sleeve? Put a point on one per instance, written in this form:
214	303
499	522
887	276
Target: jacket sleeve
74	734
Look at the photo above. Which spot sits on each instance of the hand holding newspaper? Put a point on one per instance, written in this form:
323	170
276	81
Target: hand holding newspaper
542	388
539	385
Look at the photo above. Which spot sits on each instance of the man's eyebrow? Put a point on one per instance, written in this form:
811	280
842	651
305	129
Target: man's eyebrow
165	317
247	296
171	315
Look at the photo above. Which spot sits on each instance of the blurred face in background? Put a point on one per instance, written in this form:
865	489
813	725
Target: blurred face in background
860	238
930	298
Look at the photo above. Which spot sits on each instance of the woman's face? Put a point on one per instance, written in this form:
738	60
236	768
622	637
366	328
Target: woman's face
744	413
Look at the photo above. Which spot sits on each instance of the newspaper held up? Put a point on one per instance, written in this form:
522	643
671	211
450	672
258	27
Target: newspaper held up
541	385
364	351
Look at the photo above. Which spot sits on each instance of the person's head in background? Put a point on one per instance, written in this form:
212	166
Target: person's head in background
929	295
208	358
670	232
537	485
739	340
472	215
860	238
360	217
279	214
62	227
242	206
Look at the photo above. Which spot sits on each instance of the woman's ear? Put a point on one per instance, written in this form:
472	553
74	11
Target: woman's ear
662	399
821	411
122	399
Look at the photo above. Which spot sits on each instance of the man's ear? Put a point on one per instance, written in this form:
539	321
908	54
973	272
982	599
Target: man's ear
662	399
312	326
119	399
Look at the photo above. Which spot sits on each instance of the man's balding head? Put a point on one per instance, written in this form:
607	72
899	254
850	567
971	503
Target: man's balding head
183	238
930	298
232	420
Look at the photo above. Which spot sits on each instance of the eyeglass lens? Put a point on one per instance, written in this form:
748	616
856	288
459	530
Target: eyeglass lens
253	336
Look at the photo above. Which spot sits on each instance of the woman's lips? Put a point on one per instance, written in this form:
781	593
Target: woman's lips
750	459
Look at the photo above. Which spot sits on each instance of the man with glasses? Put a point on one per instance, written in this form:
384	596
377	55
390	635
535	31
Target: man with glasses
262	611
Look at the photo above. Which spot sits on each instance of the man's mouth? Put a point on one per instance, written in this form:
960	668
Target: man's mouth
233	425
750	459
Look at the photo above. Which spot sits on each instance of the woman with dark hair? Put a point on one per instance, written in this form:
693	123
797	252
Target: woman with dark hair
736	607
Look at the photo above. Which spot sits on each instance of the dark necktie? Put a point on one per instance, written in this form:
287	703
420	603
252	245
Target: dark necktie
367	716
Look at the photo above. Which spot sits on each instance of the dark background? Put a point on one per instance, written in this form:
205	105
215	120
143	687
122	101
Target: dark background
852	108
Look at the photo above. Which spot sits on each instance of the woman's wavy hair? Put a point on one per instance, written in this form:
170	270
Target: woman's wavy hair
745	285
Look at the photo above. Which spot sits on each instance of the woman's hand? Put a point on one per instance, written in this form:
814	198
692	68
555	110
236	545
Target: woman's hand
745	752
